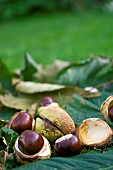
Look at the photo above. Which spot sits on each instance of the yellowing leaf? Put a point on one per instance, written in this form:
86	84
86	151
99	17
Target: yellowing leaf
32	93
32	87
18	103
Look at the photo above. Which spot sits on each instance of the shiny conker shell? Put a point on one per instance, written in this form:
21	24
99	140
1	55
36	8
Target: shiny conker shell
30	142
46	101
68	145
44	153
94	132
21	121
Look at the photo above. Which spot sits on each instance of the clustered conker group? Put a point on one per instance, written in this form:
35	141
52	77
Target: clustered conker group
53	126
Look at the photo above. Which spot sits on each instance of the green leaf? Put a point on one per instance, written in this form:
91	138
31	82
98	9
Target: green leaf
47	74
3	123
93	161
102	79
31	71
30	67
10	137
5	77
80	109
3	144
6	113
80	73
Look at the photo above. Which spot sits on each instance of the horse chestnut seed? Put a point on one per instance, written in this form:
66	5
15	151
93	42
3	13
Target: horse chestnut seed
30	142
110	113
68	145
21	121
46	101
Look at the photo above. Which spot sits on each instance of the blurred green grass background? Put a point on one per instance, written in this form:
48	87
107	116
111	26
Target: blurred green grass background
65	35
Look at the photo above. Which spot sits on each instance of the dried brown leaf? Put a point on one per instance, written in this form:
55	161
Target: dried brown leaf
33	108
18	103
48	73
3	156
32	87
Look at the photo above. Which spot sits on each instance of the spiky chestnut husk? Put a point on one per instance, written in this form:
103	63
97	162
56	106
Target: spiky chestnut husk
58	116
55	119
21	121
106	109
48	130
94	132
44	153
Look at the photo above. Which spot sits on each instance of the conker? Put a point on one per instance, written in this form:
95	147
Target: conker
30	142
106	108
46	101
110	113
21	121
68	145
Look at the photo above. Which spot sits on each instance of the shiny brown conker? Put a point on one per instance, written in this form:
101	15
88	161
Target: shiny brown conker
21	121
68	145
110	113
30	142
46	101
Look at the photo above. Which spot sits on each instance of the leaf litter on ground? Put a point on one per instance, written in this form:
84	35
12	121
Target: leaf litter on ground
66	82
